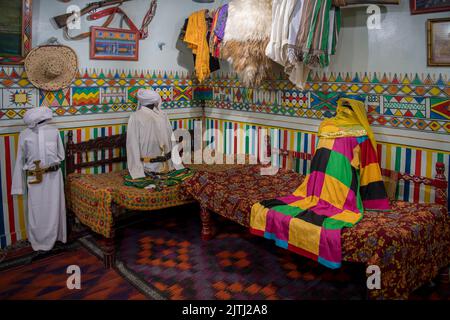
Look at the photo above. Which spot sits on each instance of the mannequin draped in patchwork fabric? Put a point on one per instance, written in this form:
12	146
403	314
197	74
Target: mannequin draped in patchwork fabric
345	179
46	215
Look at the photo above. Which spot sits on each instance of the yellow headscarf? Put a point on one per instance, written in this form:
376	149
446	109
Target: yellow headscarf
348	121
196	39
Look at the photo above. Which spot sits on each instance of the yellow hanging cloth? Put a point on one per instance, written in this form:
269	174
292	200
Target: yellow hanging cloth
196	39
348	122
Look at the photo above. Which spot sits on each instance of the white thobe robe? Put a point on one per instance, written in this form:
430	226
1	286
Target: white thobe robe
295	69
147	131
46	218
286	18
281	12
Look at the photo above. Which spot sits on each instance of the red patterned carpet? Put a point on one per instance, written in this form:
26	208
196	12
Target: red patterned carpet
165	258
46	279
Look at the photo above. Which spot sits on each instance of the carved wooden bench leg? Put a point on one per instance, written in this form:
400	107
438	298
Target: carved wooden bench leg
207	224
109	248
109	252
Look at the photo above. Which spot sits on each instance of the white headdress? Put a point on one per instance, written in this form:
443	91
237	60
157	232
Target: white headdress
148	96
35	115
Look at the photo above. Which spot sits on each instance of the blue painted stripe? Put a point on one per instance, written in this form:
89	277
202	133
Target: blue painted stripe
305	150
407	170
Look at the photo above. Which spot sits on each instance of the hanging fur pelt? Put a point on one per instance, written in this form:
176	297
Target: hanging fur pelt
247	34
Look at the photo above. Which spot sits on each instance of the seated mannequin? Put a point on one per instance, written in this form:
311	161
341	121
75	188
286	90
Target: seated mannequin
149	138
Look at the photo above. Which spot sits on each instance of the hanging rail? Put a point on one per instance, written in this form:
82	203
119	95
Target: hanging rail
343	3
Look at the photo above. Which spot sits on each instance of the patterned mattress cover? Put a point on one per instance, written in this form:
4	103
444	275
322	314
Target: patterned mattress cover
410	244
90	196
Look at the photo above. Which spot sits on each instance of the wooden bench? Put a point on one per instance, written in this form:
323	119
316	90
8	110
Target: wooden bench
107	151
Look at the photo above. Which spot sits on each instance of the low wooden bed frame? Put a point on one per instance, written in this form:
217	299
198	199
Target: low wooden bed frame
81	151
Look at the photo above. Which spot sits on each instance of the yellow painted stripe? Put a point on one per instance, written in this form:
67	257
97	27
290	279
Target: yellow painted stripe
388	156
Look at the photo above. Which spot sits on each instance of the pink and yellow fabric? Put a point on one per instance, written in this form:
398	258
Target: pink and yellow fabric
345	179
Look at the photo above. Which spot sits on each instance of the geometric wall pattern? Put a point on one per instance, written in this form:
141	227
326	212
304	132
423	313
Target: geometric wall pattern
395	157
409	102
92	92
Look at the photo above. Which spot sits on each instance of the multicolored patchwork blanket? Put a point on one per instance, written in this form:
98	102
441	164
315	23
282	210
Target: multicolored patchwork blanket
344	180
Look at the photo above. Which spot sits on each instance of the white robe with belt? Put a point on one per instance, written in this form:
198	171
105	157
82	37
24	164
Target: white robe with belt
147	131
46	218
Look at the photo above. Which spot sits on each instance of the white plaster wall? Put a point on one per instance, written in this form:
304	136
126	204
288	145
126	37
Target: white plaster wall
165	27
399	46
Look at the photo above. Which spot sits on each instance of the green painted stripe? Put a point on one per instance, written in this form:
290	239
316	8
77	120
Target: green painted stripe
298	148
225	137
247	139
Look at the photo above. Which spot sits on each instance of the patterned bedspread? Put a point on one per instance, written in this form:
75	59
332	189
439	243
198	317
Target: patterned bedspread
409	245
90	196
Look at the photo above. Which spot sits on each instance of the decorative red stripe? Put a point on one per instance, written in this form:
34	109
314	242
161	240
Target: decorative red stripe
417	172
8	190
313	144
235	139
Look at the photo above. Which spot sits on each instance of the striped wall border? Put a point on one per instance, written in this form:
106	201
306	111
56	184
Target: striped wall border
392	156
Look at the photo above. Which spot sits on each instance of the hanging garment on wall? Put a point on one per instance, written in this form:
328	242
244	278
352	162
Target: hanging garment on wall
196	38
149	136
281	13
214	63
345	180
37	172
286	15
320	38
247	34
218	30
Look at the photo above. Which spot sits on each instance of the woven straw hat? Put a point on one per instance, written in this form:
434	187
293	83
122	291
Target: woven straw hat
51	67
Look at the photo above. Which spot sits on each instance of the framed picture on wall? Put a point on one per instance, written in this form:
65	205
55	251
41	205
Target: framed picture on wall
114	44
438	31
15	30
428	6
